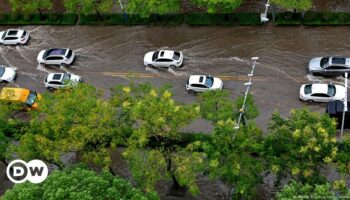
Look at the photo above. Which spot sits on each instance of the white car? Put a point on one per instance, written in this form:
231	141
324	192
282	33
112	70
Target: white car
320	92
62	57
163	58
14	37
7	74
61	80
329	66
202	83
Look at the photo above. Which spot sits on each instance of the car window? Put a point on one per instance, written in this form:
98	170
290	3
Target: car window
31	98
11	38
70	52
163	60
54	58
55	83
198	85
319	95
176	55
24	34
66	77
337	67
331	90
3	36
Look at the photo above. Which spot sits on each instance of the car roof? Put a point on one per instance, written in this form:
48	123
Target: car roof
195	79
55	77
166	54
319	88
342	61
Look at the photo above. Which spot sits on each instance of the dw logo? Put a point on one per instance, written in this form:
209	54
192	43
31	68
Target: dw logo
35	171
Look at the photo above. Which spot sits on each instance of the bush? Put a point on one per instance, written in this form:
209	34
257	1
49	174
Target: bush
248	18
3	17
54	18
170	19
310	16
288	18
205	19
69	19
27	17
14	17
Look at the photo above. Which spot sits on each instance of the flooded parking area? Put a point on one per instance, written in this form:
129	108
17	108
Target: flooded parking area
111	55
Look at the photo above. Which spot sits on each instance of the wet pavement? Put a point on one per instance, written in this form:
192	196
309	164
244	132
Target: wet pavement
107	56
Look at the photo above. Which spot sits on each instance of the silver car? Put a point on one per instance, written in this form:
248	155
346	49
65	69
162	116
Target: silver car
163	59
203	83
61	80
329	66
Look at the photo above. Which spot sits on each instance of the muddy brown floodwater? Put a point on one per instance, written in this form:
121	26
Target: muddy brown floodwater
110	55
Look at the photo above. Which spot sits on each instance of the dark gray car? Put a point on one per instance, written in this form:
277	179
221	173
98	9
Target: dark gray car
329	66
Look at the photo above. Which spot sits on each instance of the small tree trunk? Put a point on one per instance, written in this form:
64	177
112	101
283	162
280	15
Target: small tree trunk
98	14
273	13
41	14
231	193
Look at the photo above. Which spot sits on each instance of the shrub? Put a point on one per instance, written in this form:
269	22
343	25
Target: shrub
288	18
27	17
3	17
14	16
54	17
69	19
310	16
248	18
204	19
328	17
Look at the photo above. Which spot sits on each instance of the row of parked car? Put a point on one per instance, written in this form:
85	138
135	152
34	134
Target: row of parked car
325	66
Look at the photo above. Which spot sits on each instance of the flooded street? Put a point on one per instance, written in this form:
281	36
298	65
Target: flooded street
112	55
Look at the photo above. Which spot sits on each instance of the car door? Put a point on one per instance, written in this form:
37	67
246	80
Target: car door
53	60
319	97
199	87
10	40
162	62
55	84
336	70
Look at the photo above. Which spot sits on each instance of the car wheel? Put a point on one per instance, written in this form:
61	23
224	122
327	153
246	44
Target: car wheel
51	89
191	91
310	101
5	81
150	66
43	64
172	66
64	65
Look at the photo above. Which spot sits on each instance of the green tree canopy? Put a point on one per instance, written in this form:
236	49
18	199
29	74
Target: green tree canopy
146	8
78	183
30	5
71	120
299	146
295	190
293	4
155	150
214	6
88	6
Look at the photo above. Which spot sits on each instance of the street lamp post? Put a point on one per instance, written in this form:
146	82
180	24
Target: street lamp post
248	84
345	102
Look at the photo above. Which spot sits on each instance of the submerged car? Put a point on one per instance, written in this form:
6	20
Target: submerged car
329	66
14	37
163	59
203	83
7	74
61	80
64	57
320	92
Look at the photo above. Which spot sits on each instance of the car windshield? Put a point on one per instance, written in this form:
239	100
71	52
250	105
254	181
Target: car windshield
324	62
155	55
31	98
209	81
176	55
66	78
331	90
307	89
2	71
70	52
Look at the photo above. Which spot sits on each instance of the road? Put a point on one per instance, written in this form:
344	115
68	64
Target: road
111	55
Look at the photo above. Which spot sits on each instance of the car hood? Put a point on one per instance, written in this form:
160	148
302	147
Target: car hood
75	78
340	92
9	73
315	64
41	54
217	83
148	57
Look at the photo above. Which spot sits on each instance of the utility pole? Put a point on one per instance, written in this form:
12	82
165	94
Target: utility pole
345	102
248	84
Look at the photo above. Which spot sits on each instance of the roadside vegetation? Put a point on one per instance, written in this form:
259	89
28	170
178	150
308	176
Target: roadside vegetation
147	122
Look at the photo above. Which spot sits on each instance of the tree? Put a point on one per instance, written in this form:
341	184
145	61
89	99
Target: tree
299	146
31	5
146	8
156	150
233	155
295	190
72	120
88	6
78	183
214	6
292	4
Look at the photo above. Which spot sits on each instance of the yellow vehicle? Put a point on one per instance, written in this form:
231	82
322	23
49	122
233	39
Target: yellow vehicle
21	95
